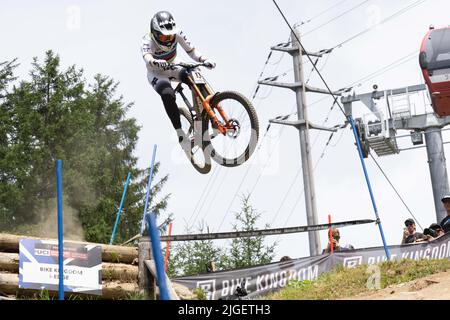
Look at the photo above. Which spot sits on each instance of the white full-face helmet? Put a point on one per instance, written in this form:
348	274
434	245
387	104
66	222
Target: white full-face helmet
163	29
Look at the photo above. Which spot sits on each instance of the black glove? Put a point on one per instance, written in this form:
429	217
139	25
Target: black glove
161	64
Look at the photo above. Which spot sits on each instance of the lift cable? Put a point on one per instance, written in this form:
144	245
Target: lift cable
393	187
352	122
391	17
337	17
321	13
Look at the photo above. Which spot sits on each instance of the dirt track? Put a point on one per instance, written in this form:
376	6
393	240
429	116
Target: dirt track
433	287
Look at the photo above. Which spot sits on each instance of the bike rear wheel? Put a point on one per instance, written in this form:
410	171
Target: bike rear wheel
199	159
239	142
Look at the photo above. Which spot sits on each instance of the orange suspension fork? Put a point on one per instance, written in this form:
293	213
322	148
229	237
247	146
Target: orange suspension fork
218	107
207	107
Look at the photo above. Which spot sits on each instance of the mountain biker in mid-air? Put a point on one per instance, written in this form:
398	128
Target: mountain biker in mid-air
159	50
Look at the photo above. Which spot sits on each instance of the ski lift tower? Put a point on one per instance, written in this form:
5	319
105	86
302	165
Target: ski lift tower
380	133
303	125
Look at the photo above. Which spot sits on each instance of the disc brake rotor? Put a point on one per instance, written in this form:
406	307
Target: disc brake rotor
233	128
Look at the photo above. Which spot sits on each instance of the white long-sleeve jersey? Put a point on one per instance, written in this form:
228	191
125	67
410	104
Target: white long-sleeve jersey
151	51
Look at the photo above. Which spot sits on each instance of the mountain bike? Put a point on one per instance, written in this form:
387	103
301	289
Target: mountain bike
223	126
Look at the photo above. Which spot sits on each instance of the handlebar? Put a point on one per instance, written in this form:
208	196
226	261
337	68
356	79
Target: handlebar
188	65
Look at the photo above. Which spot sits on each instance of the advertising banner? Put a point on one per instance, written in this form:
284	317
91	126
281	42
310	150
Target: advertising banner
261	280
39	269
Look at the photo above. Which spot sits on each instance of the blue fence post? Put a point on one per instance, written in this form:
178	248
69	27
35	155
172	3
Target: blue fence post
60	228
120	208
148	190
157	256
366	175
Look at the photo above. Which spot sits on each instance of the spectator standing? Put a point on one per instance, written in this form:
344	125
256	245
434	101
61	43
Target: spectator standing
438	229
335	236
409	233
445	223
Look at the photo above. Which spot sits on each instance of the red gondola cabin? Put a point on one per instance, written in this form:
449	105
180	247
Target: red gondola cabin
434	60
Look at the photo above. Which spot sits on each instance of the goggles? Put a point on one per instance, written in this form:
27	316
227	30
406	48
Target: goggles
164	38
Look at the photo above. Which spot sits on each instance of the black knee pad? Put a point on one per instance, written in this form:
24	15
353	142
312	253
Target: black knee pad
184	76
168	97
164	88
167	94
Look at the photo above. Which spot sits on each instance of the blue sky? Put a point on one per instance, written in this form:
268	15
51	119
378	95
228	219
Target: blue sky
105	36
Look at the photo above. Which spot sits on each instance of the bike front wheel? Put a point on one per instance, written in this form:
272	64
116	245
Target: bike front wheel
237	115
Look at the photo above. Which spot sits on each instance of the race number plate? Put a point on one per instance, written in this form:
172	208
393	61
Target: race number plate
198	78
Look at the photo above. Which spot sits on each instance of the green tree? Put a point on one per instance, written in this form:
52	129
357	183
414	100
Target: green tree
192	257
9	193
58	115
249	251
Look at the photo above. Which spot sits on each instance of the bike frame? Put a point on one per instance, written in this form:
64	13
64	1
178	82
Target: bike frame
205	103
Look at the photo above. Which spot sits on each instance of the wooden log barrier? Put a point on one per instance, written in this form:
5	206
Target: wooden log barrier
124	274
114	254
110	271
9	284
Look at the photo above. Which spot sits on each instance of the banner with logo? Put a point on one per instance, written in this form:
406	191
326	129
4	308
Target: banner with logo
39	268
261	280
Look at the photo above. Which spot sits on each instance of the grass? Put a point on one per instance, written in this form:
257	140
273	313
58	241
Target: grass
135	296
199	294
342	283
115	257
46	295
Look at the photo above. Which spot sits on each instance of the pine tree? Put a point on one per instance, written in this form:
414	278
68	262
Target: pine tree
58	115
248	251
9	192
192	257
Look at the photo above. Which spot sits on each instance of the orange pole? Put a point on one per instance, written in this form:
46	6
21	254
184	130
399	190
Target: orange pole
166	260
330	234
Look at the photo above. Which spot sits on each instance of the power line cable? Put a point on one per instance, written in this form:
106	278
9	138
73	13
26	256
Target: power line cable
299	198
337	17
372	75
321	68
217	171
431	131
284	118
335	100
319	133
309	58
339	139
276	63
265	165
205	194
201	197
393	16
255	90
395	189
296	177
383	70
286	195
366	78
321	13
262	140
242	181
300	169
315	67
245	175
350	120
